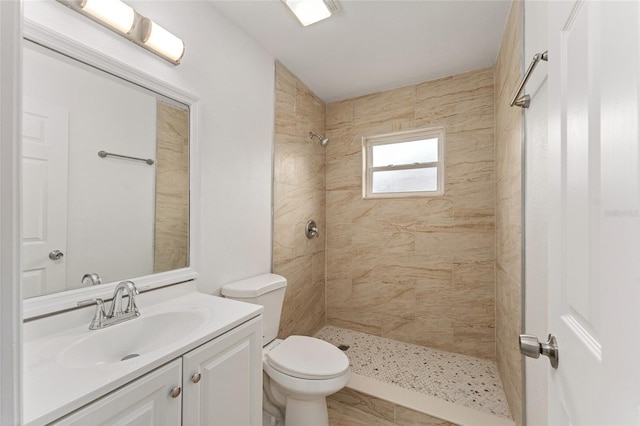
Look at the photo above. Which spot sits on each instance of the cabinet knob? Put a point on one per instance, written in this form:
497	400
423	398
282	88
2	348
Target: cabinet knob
175	392
196	377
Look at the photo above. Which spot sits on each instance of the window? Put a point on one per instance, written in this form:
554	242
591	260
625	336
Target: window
404	164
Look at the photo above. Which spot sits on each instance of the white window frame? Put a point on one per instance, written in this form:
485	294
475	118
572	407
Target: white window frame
368	142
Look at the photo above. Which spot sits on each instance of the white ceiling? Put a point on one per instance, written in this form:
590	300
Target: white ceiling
374	45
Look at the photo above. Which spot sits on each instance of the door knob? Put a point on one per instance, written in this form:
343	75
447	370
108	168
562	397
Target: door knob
56	255
530	346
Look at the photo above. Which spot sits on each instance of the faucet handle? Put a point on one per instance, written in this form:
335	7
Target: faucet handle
88	302
132	291
132	307
98	318
134	288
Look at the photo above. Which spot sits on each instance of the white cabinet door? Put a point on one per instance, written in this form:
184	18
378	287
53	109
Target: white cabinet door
228	390
145	401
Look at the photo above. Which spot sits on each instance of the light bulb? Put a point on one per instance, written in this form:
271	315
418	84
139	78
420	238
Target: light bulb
112	12
162	41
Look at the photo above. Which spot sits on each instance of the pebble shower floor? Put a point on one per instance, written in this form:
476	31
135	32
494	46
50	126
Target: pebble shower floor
460	379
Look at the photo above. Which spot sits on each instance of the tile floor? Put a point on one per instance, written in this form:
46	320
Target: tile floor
460	379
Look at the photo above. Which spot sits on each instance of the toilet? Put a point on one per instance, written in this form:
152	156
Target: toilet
299	372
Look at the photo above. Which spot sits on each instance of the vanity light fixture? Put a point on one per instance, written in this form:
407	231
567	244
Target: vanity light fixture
124	20
311	11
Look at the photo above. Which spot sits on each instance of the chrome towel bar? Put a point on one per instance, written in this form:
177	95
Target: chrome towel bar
524	100
104	154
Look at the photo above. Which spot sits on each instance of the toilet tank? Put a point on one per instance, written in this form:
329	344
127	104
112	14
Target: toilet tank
266	290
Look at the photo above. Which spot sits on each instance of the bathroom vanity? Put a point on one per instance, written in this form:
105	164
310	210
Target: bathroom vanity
190	358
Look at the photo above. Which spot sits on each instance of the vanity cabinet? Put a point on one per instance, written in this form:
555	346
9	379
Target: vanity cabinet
216	384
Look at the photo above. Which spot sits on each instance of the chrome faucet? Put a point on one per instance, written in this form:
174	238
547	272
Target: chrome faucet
116	304
115	314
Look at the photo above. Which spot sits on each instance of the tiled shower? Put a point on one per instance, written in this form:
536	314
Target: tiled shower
440	272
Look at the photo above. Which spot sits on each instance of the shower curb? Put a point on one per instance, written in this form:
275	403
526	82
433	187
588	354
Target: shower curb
426	404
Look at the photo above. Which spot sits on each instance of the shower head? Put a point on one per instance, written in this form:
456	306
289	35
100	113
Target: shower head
323	141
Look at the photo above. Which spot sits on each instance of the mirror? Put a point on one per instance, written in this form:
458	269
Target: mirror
120	214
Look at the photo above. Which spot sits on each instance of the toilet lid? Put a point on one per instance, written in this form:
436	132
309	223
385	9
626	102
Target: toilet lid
308	358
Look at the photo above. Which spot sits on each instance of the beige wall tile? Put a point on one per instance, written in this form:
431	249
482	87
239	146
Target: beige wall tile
436	333
339	261
340	114
399	328
392	106
299	195
403	251
475	200
364	321
338	292
476	341
508	212
342	142
344	173
171	248
459	102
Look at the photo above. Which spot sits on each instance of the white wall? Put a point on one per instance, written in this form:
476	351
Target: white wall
536	171
234	79
104	114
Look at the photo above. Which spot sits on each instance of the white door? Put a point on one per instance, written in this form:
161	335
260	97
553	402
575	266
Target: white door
594	222
45	139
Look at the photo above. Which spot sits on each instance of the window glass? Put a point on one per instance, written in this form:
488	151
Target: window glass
409	180
422	151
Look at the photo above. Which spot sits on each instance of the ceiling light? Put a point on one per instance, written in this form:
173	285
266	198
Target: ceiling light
311	11
161	40
112	12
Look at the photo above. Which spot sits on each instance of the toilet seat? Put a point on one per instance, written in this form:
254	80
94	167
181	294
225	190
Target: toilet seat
308	358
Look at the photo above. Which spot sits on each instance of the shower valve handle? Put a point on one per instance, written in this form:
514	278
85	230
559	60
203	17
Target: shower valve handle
311	230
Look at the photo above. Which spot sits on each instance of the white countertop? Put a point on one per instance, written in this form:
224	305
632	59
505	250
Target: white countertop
52	390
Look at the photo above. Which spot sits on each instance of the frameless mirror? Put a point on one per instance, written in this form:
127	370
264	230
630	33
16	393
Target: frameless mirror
105	166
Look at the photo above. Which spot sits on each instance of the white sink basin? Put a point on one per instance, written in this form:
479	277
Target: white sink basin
130	339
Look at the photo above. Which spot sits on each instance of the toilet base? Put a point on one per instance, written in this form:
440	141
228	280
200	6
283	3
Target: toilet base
310	412
269	420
